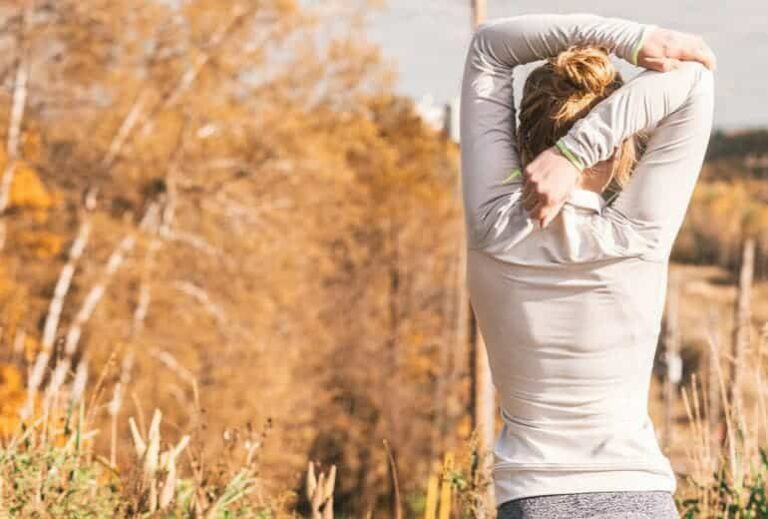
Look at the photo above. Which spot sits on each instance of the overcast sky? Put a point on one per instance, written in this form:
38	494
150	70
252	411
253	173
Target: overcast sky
426	40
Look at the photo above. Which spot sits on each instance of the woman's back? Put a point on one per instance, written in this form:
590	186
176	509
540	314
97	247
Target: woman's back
571	313
571	349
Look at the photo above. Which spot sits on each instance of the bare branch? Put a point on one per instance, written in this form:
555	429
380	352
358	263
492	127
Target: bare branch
63	285
14	124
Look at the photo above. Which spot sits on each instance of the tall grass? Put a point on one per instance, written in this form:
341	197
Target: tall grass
728	454
726	451
50	467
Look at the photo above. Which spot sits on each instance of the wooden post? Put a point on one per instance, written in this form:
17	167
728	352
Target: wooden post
481	405
715	408
483	401
446	492
672	360
482	396
462	309
742	319
478	12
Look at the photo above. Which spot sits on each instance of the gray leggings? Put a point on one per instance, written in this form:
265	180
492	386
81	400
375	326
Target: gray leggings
657	504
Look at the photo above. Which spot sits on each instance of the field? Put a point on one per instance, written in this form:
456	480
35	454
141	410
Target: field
230	282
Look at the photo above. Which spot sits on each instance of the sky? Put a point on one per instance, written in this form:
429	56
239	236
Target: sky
426	42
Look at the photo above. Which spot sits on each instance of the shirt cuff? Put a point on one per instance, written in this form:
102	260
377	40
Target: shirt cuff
647	29
567	153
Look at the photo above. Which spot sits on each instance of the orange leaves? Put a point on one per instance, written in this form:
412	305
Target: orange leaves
31	145
720	215
29	193
302	210
13	305
12	397
27	190
10	379
733	206
42	244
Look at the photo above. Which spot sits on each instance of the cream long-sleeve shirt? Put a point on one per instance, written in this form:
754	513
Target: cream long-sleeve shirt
571	313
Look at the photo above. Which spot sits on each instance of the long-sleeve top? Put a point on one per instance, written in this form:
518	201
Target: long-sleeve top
571	313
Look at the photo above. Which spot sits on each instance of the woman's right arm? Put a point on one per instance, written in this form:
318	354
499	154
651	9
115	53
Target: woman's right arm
678	105
489	152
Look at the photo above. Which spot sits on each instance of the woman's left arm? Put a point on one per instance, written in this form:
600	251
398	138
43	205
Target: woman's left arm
488	128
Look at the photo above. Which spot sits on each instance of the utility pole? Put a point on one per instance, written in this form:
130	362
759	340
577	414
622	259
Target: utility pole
482	401
741	329
478	12
672	361
483	398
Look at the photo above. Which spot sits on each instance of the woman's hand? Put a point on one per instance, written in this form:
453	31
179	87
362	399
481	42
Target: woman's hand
664	49
550	177
548	182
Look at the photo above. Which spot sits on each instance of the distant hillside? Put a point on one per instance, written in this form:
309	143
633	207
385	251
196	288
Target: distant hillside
745	152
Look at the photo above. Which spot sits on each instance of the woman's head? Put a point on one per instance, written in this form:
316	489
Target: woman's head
562	91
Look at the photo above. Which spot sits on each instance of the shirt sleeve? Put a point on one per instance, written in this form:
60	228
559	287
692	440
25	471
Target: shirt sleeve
677	108
489	156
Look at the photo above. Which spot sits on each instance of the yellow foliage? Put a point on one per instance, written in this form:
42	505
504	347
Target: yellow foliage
464	427
27	190
42	244
12	306
10	378
721	214
31	348
12	397
31	145
5	283
445	487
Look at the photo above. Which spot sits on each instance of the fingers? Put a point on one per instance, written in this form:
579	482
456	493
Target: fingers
530	195
663	45
662	64
548	217
543	213
707	57
695	49
538	206
668	64
701	52
537	213
530	201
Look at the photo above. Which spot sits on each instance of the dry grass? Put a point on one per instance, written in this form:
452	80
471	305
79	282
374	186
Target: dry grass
50	466
727	455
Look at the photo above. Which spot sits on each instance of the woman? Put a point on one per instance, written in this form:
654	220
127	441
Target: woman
568	288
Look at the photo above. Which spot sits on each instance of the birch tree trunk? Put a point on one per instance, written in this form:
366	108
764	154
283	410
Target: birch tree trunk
15	119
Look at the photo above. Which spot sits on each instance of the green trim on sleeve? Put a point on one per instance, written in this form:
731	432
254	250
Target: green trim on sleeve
569	155
639	44
515	173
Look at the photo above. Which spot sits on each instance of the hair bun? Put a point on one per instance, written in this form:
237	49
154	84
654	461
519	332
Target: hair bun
587	69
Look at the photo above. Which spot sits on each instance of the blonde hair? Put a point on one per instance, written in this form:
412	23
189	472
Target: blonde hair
562	91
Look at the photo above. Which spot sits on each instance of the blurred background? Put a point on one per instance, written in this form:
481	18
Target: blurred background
427	39
231	243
